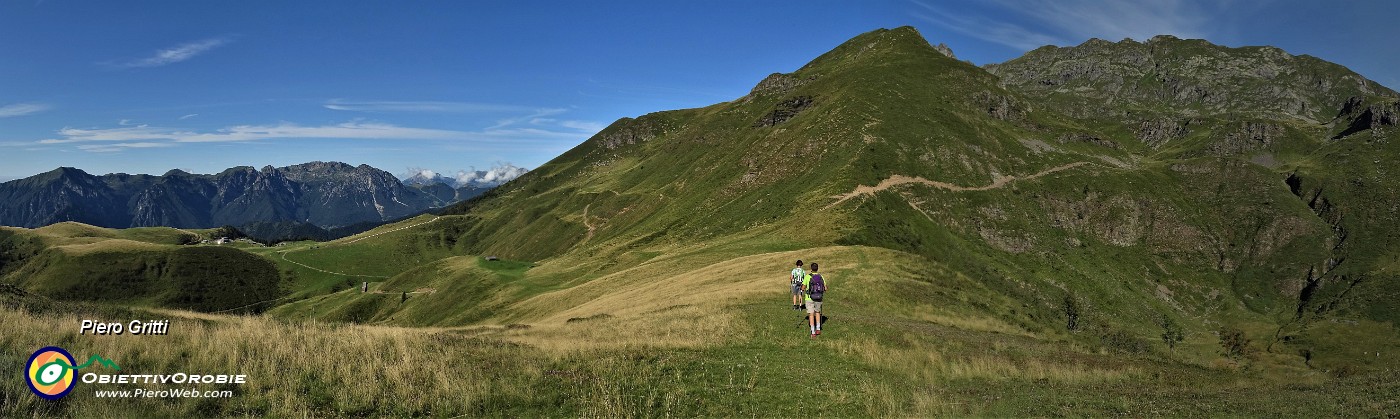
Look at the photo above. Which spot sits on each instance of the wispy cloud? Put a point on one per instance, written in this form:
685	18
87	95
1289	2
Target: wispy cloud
586	126
537	114
1030	24
96	139
522	115
1009	34
422	106
21	109
176	54
188	116
111	148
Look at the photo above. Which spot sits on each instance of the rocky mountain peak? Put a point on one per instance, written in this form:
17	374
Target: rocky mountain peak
1162	38
1184	78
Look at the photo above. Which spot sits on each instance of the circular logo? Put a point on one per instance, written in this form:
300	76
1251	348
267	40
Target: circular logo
50	372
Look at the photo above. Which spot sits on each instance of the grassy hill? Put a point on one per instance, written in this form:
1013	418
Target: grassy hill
992	249
140	266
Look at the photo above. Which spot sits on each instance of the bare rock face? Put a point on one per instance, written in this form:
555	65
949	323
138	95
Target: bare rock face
629	131
1179	78
1000	106
777	84
1158	132
1249	136
943	48
1087	139
1373	117
784	111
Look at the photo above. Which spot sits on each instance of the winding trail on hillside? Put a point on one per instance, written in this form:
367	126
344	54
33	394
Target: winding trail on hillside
284	257
284	252
591	227
435	218
896	180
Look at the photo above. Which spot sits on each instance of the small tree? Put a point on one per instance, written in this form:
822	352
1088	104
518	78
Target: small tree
1171	333
1235	343
1071	313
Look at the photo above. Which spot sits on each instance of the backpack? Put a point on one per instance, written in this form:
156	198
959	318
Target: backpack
816	287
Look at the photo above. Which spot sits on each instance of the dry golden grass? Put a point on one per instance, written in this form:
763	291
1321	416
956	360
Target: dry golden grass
925	363
662	303
387	229
292	368
74	229
109	245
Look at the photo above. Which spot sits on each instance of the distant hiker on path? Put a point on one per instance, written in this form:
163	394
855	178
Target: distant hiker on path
797	277
815	288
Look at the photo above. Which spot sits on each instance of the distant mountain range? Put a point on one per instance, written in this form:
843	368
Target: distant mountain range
305	197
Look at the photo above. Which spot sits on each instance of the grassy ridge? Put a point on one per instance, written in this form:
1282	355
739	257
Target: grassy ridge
642	350
144	266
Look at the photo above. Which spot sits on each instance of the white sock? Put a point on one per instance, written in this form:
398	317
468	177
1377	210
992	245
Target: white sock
814	329
819	326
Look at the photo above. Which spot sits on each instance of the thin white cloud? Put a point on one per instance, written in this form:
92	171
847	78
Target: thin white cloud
422	106
21	109
585	126
537	114
524	115
111	148
243	133
143	136
188	116
1004	33
1067	22
177	53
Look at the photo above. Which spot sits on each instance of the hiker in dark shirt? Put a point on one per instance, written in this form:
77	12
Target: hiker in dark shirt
815	288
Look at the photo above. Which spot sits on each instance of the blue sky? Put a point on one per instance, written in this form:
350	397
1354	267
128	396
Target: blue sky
144	87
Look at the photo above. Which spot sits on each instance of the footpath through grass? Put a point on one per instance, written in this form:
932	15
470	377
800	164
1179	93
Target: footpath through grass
865	363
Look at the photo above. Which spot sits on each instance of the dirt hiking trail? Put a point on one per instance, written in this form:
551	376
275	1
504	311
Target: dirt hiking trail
896	180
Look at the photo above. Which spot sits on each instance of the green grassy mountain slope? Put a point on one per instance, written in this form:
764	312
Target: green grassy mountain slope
1247	124
150	266
886	142
992	249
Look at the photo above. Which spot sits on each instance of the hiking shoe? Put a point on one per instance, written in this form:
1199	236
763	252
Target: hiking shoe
814	336
819	331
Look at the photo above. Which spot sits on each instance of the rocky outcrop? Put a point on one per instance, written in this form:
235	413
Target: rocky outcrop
1158	132
776	84
785	110
1086	139
1177	78
1001	106
1368	117
629	131
1250	136
943	48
